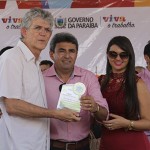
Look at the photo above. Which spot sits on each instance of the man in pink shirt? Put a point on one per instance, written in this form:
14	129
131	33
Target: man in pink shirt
145	73
74	135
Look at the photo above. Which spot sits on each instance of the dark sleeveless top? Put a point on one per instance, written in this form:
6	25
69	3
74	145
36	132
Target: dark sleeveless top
120	139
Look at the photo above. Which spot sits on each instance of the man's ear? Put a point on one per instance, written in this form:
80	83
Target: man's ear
23	32
51	55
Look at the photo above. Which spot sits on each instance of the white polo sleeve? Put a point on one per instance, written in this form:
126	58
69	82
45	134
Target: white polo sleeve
10	77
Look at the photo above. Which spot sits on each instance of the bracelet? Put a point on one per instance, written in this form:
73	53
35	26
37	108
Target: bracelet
98	108
131	125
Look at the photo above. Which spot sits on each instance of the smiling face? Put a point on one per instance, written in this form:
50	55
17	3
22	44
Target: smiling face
64	56
37	35
118	59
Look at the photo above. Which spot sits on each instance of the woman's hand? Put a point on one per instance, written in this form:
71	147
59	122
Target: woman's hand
116	123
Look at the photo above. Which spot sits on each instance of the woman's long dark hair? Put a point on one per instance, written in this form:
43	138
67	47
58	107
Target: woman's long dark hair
131	104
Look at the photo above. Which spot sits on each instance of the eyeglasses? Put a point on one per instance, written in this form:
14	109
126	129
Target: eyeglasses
114	55
60	87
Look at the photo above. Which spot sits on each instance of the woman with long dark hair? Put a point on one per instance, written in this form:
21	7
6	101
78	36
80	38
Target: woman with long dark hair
128	100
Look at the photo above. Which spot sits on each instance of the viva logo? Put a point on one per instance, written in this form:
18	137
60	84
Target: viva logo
112	18
11	20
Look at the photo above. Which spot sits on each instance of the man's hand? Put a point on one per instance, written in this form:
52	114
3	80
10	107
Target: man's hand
67	115
88	103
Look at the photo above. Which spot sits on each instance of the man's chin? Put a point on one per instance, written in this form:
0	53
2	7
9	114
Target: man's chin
68	68
41	47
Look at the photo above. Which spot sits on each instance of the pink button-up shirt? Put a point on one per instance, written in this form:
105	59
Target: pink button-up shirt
71	131
145	75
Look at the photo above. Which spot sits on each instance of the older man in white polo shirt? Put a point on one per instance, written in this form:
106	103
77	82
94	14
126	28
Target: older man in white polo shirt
24	124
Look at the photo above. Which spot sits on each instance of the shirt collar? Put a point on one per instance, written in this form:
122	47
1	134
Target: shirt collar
26	51
51	72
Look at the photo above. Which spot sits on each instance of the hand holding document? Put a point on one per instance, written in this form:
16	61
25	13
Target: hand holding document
70	96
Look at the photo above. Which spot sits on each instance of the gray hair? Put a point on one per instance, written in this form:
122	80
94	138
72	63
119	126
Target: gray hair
34	13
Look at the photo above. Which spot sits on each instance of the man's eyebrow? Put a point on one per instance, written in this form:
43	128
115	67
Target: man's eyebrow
41	26
61	48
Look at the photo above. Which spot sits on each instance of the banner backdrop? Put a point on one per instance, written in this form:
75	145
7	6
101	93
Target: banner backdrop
93	22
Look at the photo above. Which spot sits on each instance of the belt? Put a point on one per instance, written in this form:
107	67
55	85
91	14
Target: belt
70	145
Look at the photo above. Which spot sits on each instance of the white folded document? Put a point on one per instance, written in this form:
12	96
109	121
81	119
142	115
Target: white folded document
70	96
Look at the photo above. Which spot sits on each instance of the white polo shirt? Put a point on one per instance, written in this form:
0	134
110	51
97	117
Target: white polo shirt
21	78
